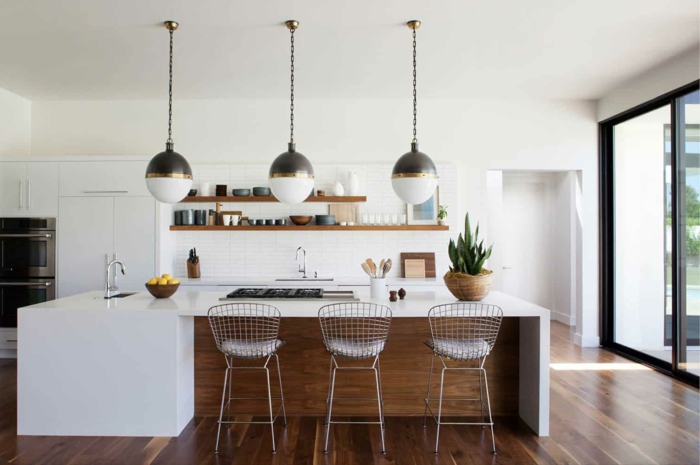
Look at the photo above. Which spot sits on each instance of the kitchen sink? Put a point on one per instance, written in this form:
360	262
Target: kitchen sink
304	280
123	295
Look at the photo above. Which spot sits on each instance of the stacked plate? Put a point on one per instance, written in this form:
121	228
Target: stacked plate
325	220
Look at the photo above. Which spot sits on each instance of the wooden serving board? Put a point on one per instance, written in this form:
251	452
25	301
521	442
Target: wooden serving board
429	258
343	211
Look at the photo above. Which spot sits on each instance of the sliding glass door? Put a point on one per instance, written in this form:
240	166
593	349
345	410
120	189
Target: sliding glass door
650	233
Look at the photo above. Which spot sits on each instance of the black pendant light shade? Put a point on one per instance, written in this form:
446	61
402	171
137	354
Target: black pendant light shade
168	175
291	174
414	177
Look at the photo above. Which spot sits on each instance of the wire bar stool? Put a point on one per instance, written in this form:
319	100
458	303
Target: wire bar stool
247	331
462	332
354	331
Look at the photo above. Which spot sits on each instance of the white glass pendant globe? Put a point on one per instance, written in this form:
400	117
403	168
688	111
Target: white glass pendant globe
169	190
291	190
414	191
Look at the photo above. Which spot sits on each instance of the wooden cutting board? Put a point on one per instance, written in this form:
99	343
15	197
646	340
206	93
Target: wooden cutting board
429	258
343	211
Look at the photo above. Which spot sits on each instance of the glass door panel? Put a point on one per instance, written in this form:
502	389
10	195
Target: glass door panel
642	237
688	122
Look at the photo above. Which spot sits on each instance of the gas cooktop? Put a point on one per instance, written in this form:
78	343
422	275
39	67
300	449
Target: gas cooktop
275	293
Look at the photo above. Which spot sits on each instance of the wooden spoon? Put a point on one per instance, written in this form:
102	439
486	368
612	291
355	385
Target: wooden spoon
366	268
387	267
372	267
380	270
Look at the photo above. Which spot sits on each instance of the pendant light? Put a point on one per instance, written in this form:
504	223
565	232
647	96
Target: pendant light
291	174
414	177
168	175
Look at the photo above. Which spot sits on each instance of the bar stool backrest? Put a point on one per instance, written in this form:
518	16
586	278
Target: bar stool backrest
475	323
250	326
359	329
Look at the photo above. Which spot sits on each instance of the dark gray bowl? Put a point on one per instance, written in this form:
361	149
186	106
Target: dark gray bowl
241	192
261	191
325	220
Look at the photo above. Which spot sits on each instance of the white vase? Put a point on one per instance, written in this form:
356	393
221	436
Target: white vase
338	189
353	183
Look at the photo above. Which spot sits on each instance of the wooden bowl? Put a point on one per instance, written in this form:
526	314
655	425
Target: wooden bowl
162	291
301	220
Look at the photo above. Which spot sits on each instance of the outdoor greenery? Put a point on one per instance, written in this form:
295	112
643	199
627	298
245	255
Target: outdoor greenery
468	254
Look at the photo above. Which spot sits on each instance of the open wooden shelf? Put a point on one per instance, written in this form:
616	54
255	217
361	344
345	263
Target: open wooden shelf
271	198
313	227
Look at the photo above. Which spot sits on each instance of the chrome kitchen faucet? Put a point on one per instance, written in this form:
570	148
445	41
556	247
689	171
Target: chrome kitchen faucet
111	289
302	270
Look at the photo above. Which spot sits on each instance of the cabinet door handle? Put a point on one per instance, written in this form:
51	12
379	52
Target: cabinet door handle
21	194
29	194
105	192
12	340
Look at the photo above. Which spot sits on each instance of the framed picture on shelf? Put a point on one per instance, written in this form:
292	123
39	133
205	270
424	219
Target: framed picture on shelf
426	212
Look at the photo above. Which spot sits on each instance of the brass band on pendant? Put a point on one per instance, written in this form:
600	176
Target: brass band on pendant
291	175
414	175
169	175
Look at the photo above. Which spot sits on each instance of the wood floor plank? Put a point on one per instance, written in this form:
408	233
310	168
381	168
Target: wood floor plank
598	416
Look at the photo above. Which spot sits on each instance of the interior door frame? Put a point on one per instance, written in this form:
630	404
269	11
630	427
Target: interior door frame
607	235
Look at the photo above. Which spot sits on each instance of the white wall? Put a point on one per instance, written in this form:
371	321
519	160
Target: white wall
474	135
672	74
15	125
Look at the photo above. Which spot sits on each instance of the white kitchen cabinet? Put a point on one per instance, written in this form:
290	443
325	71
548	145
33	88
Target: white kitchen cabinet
42	189
91	227
103	178
85	236
28	189
134	240
8	338
13	184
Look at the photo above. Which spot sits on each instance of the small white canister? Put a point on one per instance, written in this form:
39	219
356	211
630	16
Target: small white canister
377	288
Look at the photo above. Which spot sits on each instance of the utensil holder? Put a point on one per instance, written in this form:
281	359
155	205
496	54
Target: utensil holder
193	270
377	288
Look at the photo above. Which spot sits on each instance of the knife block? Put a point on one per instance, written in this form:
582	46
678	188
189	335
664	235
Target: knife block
193	270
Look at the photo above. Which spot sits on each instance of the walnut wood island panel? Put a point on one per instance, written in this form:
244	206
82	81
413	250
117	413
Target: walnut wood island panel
140	366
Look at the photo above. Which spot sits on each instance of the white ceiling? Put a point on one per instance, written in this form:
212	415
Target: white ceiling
99	49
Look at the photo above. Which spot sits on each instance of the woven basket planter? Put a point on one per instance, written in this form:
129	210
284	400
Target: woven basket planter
471	288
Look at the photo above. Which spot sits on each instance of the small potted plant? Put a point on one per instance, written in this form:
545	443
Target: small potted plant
467	278
442	215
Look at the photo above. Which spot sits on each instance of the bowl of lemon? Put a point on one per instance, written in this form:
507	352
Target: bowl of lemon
163	287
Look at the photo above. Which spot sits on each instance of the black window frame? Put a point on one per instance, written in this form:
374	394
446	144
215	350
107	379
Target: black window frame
607	234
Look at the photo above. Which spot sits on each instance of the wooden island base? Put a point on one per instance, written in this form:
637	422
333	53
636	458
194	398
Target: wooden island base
404	363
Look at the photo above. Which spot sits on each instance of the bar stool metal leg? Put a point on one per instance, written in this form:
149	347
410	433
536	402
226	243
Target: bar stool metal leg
439	419
488	404
379	404
330	406
328	393
279	375
427	396
269	400
221	412
481	401
381	393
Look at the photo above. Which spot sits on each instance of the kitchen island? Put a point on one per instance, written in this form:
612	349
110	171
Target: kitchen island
139	366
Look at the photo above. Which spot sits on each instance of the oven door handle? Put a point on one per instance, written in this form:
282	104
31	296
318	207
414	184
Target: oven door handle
48	236
44	284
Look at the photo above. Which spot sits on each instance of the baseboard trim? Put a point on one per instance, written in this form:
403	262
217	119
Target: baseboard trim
562	318
586	341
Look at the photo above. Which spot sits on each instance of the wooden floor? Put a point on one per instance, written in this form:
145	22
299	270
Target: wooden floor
604	409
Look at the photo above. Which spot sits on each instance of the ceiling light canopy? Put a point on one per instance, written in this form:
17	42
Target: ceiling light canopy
291	174
414	177
168	175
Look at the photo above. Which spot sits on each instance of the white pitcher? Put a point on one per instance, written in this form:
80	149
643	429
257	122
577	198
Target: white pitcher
353	183
338	189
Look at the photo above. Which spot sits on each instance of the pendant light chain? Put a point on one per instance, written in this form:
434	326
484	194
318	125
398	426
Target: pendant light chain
291	105
415	100
170	92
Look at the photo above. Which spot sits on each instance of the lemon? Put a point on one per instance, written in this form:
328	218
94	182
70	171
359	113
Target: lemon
162	281
153	281
173	281
166	276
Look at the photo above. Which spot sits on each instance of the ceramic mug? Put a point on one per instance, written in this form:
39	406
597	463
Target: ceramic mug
227	220
235	219
205	189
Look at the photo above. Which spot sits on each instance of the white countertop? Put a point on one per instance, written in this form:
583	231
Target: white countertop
273	281
189	303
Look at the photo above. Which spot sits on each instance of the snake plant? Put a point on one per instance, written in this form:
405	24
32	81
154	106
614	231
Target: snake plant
468	254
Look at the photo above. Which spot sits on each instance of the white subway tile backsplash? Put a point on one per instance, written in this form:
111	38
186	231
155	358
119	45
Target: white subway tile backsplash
330	253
